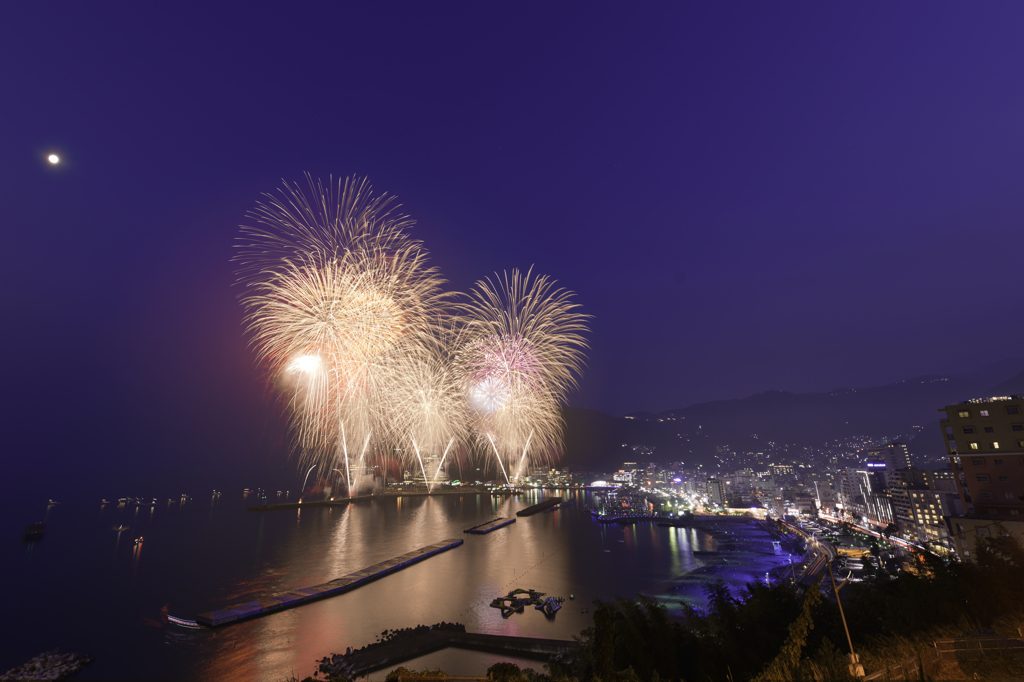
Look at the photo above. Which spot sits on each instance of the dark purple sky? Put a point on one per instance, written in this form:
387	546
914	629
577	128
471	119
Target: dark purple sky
798	196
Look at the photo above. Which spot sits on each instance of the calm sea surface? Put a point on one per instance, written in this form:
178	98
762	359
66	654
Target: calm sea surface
87	588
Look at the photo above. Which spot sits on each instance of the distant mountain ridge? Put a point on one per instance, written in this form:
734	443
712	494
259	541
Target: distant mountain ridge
692	434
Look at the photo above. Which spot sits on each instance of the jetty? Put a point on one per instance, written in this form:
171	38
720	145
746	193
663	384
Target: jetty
539	507
360	663
303	595
484	528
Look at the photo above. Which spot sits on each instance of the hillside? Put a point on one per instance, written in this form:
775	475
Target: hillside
693	433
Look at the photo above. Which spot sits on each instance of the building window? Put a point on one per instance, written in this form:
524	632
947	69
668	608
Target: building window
1004	479
1018	427
1014	512
964	414
995	445
949	436
998	462
989	429
1020	444
968	429
983	532
1012	409
982	478
1009	496
984	413
987	496
978	462
974	446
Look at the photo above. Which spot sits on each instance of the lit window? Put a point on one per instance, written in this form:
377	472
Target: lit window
982	478
995	446
964	414
983	413
974	446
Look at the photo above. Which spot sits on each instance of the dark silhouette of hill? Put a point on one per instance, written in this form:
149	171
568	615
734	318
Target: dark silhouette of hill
692	434
1012	386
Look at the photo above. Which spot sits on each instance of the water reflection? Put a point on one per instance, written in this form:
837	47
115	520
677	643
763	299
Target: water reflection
219	555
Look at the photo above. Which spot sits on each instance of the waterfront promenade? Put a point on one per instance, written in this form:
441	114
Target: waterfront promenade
391	494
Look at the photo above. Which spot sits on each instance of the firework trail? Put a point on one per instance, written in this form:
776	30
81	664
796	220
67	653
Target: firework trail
518	355
339	300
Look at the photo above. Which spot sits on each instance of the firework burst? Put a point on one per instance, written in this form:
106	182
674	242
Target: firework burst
521	349
339	300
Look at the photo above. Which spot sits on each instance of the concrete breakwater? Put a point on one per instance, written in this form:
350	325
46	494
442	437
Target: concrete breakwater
495	524
546	504
386	654
292	598
51	665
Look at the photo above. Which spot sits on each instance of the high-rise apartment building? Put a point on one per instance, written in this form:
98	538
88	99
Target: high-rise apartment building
985	444
716	492
895	455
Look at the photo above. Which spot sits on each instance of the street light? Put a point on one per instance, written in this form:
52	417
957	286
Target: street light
856	669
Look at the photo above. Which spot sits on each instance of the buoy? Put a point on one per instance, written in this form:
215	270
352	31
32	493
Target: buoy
572	596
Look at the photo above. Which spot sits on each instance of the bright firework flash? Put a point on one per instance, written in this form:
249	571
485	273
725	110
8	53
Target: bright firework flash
520	352
337	298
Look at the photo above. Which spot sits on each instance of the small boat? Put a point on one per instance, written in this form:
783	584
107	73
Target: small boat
183	622
34	531
121	528
104	501
138	540
53	502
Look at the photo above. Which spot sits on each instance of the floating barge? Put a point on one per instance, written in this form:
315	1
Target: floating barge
546	504
292	598
483	528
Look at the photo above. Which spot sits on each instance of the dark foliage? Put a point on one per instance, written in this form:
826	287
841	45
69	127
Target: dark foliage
769	629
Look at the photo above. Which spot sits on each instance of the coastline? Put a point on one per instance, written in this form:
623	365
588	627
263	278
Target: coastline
740	552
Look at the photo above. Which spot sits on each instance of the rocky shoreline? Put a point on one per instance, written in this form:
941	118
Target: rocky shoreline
51	665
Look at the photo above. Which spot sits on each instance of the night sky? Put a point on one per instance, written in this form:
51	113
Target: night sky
797	196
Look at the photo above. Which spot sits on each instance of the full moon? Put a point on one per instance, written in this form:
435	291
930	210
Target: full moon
53	158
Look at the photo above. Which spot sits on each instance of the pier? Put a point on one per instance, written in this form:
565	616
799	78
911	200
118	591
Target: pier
292	598
542	506
484	528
